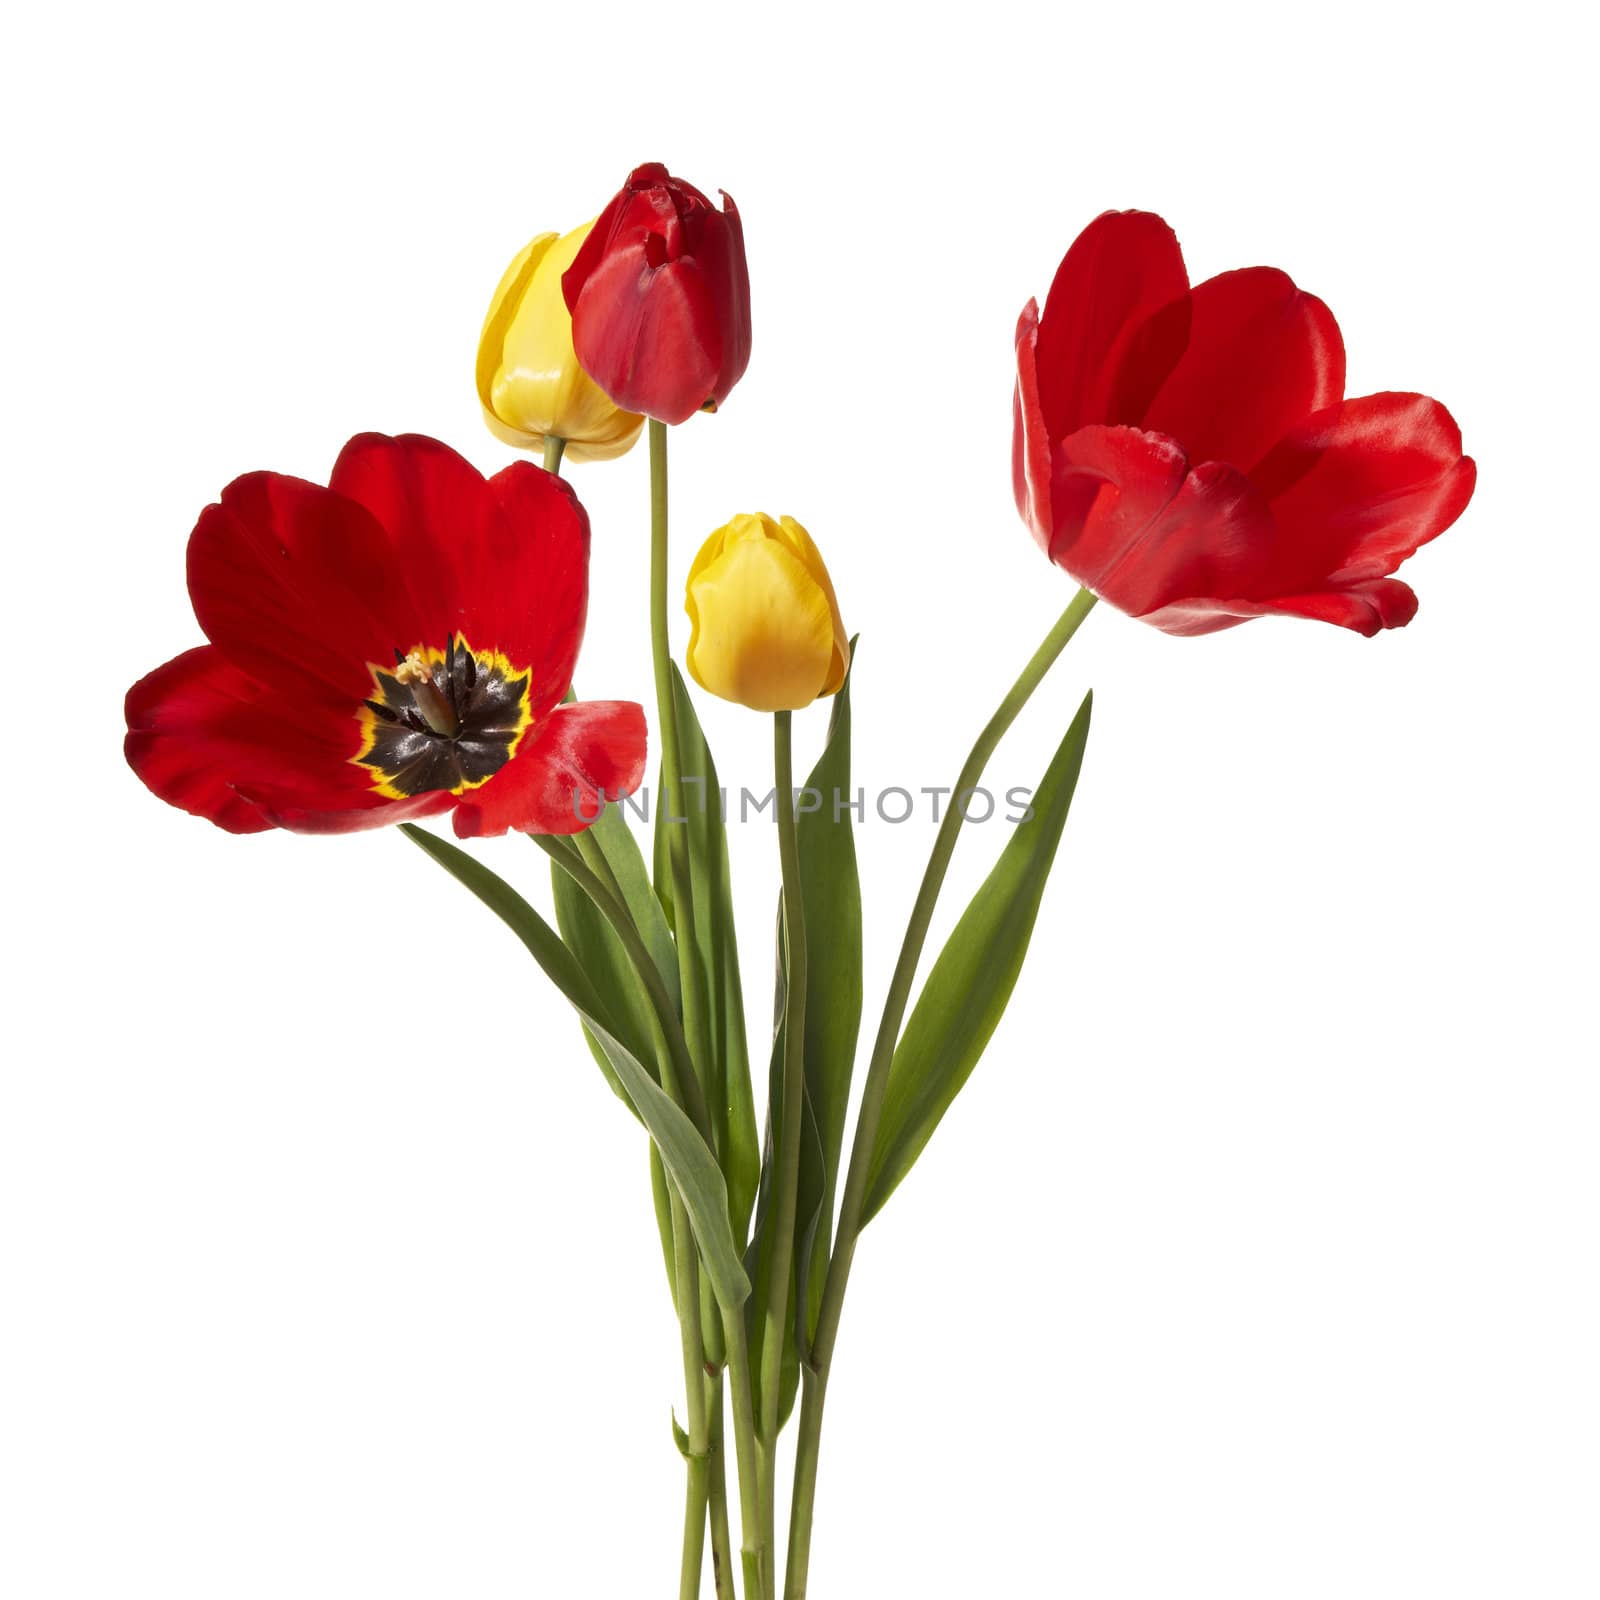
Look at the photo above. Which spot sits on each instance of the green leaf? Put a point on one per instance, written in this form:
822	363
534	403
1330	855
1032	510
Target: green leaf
967	990
758	1254
692	1169
727	1072
832	895
560	965
831	889
688	1161
597	948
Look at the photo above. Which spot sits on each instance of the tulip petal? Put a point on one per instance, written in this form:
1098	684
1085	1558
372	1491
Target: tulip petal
541	580
1031	444
210	739
1262	355
441	522
1135	523
1359	487
299	588
579	756
503	562
805	547
1365	608
1102	349
647	331
721	254
508	298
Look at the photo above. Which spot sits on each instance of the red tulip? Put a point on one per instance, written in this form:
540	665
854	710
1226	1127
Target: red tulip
1189	455
392	646
660	298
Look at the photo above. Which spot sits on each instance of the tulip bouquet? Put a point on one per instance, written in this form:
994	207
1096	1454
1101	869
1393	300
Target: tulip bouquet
401	643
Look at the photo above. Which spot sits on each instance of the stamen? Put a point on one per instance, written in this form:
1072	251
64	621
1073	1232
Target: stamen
415	673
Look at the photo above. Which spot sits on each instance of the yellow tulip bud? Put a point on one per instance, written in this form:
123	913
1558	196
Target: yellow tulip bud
529	379
766	628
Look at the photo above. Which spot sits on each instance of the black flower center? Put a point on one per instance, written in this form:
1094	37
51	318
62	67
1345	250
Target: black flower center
442	719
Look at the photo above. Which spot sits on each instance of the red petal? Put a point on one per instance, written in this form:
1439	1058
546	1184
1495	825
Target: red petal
440	520
298	587
210	739
504	561
555	781
1100	355
721	256
538	588
1365	608
1142	529
1262	356
646	330
1359	487
1031	444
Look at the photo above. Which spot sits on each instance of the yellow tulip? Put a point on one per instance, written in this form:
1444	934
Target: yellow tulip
766	627
529	379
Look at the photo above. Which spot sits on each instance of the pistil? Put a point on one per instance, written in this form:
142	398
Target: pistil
434	707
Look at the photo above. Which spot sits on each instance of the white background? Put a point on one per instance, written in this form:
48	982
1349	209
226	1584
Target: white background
1258	1259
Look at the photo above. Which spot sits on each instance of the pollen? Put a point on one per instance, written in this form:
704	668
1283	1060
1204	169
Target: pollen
414	669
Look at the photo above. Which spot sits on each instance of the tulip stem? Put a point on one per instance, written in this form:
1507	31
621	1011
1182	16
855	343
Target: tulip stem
877	1082
554	449
757	1556
697	1484
681	886
721	1541
787	1178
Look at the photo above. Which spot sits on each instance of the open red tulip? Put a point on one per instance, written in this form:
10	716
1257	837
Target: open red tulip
1188	454
395	645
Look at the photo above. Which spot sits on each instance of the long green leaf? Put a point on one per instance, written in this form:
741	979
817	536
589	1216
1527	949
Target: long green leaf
688	1160
597	948
831	889
727	1074
560	965
832	895
967	990
692	1169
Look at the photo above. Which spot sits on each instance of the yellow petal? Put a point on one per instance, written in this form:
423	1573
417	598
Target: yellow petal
805	547
503	305
763	631
529	379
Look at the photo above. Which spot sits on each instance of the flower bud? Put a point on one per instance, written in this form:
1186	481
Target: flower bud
766	627
529	378
660	297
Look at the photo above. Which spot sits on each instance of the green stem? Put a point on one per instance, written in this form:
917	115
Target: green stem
721	1540
554	449
716	1360
697	1484
787	1184
877	1082
802	1507
671	797
756	1555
